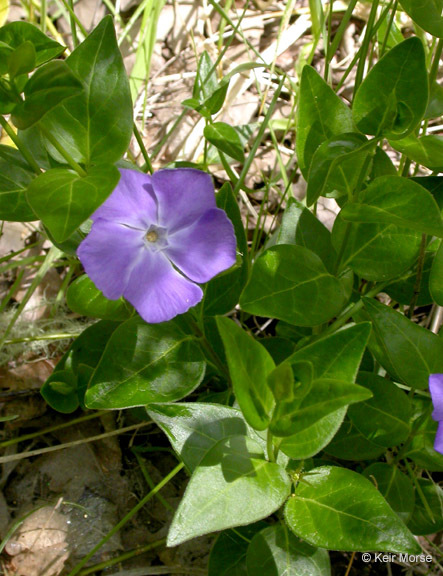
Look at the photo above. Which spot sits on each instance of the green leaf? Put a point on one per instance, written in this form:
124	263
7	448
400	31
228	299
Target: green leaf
301	402
336	166
350	444
421	523
435	104
421	449
145	363
228	555
337	356
393	97
403	290
223	292
63	200
249	365
195	428
399	201
369	248
15	34
310	441
426	150
314	236
96	125
407	351
395	487
292	284
22	59
275	551
436	277
206	79
384	419
226	139
15	176
427	14
233	485
338	509
65	388
85	299
48	86
321	114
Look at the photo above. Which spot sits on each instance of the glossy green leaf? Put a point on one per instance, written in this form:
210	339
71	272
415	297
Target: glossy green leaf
145	363
369	248
233	485
436	277
435	104
421	522
350	444
321	114
314	236
325	396
15	177
292	284
337	356
338	509
434	185
421	449
403	290
427	14
336	166
312	440
276	551
228	555
226	139
16	33
407	351
399	201
223	292
48	86
384	418
426	150
395	487
22	60
95	126
206	79
85	299
194	428
249	365
393	97
63	200
64	389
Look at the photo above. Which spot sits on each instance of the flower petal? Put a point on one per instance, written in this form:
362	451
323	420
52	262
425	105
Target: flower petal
108	254
205	249
183	195
132	202
436	390
438	442
157	291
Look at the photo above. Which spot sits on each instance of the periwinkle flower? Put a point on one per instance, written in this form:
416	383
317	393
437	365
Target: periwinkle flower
155	238
436	390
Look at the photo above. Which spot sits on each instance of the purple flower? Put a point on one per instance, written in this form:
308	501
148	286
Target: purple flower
154	238
436	390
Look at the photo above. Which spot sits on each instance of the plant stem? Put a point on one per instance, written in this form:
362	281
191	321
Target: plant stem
143	150
418	278
44	431
60	336
365	45
20	146
126	519
270	446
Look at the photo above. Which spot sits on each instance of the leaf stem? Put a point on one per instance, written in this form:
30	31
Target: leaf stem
19	144
270	446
